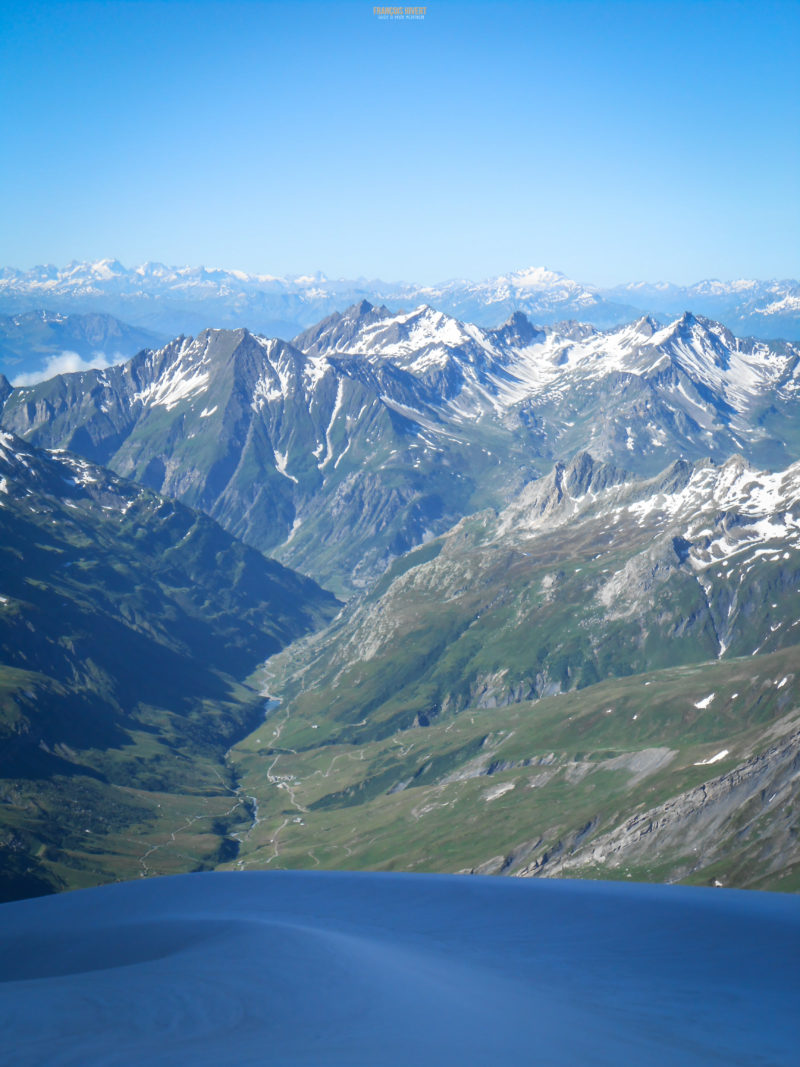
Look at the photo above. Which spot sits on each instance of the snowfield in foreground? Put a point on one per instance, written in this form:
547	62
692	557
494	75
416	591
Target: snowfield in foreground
304	968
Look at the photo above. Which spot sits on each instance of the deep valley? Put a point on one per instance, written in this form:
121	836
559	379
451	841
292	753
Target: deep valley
565	642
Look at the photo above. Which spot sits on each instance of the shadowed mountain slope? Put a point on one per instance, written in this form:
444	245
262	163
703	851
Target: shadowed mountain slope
127	625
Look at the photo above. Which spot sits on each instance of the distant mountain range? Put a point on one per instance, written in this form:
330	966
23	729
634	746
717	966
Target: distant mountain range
173	300
35	345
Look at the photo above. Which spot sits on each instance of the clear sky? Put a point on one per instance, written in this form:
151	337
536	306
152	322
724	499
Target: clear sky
647	139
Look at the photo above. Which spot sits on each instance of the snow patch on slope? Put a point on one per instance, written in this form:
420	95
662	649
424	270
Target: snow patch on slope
187	377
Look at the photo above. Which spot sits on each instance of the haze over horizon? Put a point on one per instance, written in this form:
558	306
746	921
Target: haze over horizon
313	273
612	141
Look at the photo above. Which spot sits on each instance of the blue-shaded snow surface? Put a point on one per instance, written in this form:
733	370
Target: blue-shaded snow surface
304	968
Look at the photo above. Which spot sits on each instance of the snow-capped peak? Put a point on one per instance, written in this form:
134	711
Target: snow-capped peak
535	278
107	268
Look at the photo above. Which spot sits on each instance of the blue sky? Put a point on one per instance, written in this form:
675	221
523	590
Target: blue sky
612	141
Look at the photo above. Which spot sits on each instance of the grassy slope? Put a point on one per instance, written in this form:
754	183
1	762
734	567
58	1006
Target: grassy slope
505	788
367	762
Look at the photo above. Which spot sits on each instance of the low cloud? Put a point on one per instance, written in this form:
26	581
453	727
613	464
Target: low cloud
64	363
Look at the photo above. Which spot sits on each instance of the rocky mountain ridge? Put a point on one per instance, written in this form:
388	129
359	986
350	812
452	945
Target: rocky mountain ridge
373	432
587	573
598	680
754	801
540	538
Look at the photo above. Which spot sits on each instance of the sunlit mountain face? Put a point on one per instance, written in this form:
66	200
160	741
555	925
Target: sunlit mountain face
372	432
534	526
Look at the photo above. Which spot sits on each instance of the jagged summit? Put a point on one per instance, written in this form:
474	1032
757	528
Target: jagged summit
336	332
646	326
518	330
562	492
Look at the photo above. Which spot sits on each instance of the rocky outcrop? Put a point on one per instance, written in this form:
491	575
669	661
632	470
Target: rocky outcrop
749	805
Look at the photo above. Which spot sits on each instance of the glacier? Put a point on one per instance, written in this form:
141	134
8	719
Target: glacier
343	968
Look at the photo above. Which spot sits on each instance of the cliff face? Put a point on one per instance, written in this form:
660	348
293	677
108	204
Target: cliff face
747	819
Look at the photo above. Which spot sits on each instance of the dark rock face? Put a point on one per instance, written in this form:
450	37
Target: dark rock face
748	801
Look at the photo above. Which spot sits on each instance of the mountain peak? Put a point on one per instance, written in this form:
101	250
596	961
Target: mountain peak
736	464
585	474
674	478
106	269
558	492
646	326
518	330
535	277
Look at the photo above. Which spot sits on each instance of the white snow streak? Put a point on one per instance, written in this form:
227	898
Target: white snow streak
336	409
712	759
705	702
281	459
